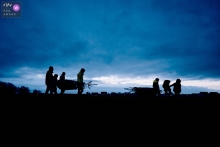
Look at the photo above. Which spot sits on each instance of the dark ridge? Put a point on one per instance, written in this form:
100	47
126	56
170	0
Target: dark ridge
110	120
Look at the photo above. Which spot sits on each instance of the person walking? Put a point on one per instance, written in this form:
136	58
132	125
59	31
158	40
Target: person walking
166	87
62	78
177	87
156	87
49	80
80	83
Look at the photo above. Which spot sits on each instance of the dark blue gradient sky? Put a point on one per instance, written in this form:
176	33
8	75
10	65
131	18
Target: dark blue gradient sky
120	43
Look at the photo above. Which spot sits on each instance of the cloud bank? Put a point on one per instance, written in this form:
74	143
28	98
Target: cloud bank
118	41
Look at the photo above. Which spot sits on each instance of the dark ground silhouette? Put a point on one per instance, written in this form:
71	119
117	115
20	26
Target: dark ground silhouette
111	121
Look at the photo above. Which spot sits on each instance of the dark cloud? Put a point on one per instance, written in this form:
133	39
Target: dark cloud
115	37
33	42
2	75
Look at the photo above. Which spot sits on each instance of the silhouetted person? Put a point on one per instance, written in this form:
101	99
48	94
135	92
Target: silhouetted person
55	83
176	87
156	86
62	78
49	80
166	87
80	83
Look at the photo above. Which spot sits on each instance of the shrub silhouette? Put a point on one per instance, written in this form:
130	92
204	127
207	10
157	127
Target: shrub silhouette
23	90
36	92
9	88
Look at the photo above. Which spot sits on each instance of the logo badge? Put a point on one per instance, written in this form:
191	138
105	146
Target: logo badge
16	7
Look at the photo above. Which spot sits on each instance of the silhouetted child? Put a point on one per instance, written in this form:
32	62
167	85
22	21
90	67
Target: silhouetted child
156	86
62	78
55	83
176	87
166	87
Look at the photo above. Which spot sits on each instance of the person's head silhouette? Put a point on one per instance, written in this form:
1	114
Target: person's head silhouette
82	70
63	74
56	75
178	81
51	68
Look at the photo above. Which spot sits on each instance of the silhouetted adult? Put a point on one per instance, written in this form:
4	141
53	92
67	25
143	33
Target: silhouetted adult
156	86
49	80
166	87
62	78
55	83
176	87
80	83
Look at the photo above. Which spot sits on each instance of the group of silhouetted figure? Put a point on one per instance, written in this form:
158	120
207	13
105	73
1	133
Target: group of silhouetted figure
51	81
166	86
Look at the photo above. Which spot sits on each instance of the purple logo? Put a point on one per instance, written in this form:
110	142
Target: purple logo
16	7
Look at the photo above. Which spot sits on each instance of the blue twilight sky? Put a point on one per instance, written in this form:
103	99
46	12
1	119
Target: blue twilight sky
120	43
